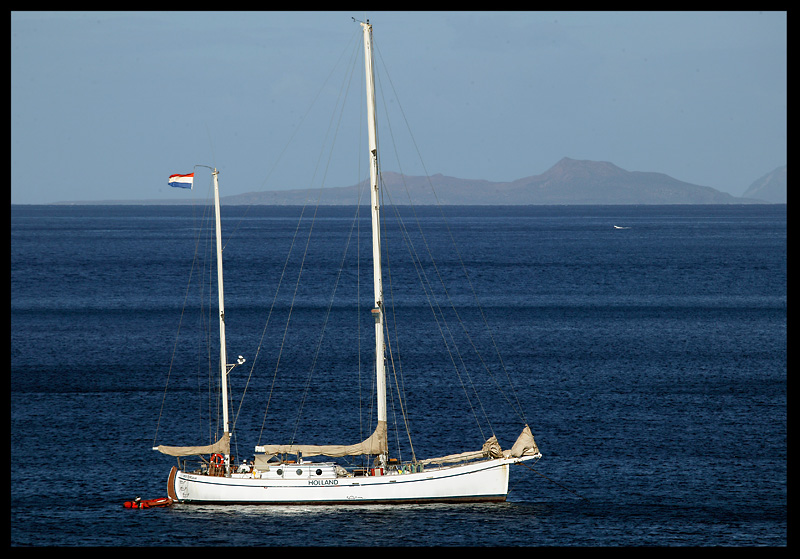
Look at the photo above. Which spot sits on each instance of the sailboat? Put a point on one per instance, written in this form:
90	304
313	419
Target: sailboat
478	475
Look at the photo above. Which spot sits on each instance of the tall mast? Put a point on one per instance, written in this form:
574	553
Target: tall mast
223	358
377	311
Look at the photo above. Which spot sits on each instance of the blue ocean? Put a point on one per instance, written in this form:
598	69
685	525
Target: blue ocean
649	359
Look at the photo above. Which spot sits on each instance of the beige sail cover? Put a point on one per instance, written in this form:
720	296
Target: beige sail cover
525	445
374	444
491	448
222	446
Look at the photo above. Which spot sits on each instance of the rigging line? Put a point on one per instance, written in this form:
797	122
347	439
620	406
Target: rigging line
297	283
401	393
401	384
388	346
362	187
263	332
418	266
333	127
555	482
354	39
213	378
357	222
205	322
360	190
294	295
519	410
266	325
211	399
394	416
291	308
454	309
234	436
416	259
203	228
431	301
345	88
441	281
342	98
327	316
177	334
422	276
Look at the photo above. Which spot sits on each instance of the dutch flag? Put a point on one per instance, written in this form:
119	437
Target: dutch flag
181	181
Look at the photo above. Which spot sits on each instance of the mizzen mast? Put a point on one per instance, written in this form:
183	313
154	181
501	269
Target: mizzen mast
225	368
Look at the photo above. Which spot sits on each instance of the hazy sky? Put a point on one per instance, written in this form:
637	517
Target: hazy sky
105	106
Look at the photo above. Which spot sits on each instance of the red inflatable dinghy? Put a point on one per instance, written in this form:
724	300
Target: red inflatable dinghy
148	504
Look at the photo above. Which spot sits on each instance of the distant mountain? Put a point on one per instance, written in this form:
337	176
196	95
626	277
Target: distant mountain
569	181
599	182
401	189
770	188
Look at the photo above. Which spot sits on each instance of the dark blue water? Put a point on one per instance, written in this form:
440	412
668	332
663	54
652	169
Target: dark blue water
650	363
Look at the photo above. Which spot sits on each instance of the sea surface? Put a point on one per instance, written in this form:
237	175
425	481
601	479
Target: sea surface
649	361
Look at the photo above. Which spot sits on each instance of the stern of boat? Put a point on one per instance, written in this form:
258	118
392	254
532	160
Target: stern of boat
171	484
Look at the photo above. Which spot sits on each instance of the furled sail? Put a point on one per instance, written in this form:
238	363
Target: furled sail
374	444
222	446
524	446
491	448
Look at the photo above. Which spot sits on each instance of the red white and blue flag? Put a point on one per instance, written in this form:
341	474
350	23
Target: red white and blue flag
181	181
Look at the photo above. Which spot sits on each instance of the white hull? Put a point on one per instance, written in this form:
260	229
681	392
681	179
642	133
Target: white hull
475	482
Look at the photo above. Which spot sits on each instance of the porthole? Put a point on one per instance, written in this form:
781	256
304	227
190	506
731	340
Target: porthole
299	471
279	471
319	472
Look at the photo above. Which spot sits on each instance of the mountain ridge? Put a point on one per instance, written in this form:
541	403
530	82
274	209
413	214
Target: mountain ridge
771	187
568	182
